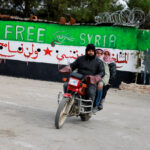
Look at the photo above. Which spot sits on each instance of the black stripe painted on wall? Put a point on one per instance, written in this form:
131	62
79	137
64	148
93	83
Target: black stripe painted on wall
49	72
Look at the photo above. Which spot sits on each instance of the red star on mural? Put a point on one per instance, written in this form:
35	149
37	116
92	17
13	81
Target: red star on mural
47	51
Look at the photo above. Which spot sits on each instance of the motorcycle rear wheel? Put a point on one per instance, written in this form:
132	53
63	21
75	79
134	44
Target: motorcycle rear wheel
62	112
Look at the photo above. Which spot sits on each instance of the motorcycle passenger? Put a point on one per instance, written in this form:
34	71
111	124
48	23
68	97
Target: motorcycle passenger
112	69
103	83
92	68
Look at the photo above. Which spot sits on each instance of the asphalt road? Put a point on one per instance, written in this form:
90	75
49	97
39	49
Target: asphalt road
27	112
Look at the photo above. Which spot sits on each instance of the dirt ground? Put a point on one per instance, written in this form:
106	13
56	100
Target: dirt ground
27	112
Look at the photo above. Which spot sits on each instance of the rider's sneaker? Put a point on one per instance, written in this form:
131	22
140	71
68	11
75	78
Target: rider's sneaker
100	107
95	109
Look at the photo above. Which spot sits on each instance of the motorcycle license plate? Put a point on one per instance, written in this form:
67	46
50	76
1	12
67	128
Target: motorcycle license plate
73	82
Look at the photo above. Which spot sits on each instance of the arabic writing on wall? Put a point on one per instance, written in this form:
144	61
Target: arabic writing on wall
35	52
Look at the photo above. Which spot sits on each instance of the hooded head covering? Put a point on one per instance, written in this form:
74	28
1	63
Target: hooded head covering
107	58
100	51
90	47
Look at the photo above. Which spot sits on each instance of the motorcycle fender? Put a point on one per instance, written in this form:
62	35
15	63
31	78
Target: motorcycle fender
68	95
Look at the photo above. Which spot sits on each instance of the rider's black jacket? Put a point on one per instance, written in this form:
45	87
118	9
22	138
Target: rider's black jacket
87	66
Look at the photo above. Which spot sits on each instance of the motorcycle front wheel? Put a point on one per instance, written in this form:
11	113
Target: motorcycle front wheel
62	113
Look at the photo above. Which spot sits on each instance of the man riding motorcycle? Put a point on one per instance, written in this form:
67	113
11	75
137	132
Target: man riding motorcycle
91	67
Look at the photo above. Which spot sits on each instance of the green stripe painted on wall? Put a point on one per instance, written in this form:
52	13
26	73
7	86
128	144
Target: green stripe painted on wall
143	39
106	37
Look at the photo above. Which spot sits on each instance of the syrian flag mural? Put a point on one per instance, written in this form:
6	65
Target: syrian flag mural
54	44
45	53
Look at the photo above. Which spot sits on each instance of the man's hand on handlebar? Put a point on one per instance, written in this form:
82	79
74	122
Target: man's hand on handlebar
65	70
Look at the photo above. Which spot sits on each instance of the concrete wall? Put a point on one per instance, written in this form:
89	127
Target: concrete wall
34	50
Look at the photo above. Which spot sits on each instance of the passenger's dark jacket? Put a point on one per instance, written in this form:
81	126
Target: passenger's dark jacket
87	66
112	69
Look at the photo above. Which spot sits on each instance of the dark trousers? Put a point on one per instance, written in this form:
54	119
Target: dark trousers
91	91
105	90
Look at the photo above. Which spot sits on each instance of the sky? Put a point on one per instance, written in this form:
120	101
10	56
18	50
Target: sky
123	2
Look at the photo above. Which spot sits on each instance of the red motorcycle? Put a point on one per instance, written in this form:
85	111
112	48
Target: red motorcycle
73	102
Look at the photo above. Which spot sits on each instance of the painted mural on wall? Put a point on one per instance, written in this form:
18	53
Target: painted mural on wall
107	37
52	43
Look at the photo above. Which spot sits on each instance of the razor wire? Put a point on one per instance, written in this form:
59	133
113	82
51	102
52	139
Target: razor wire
127	17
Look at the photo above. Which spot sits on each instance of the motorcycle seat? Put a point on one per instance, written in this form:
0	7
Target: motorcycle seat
77	75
